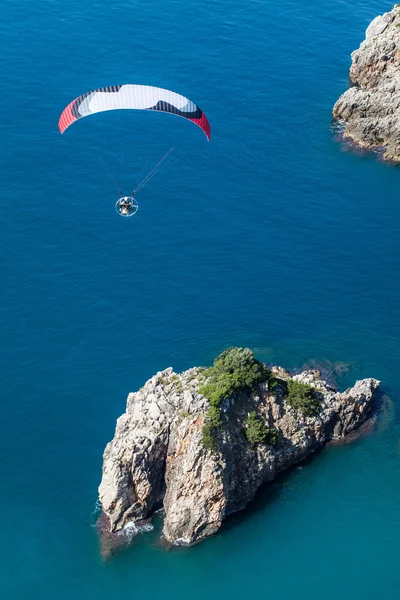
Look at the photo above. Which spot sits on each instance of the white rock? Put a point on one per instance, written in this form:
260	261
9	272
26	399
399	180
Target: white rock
157	456
379	24
154	411
370	110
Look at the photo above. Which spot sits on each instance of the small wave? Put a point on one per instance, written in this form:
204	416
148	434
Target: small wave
131	529
95	513
181	542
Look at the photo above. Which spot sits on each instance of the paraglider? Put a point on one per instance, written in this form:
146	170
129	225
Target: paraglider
137	97
134	97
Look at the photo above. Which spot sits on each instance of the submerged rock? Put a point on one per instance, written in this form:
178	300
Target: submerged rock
370	109
157	457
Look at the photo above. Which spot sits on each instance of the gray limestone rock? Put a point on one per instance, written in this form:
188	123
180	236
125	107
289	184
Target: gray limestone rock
157	458
369	111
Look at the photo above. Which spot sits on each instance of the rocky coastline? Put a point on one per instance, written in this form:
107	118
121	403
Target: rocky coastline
159	458
369	111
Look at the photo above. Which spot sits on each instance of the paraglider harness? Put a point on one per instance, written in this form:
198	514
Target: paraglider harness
127	206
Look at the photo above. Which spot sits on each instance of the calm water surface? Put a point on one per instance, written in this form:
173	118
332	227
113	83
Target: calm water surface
271	236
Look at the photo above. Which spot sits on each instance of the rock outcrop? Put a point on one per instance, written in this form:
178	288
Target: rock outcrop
370	110
157	458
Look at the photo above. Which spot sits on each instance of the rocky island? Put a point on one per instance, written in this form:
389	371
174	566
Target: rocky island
370	110
199	444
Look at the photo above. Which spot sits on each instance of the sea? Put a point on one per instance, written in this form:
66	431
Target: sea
275	235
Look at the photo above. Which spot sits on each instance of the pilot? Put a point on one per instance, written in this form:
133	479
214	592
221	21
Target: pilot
125	204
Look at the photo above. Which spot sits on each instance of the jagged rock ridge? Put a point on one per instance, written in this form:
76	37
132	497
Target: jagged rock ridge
370	110
157	459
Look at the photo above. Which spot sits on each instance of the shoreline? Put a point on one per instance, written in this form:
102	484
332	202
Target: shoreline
368	109
163	458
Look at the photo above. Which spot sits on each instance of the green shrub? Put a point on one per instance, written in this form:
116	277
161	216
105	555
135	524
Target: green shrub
209	437
302	397
257	432
235	370
213	415
275	384
212	424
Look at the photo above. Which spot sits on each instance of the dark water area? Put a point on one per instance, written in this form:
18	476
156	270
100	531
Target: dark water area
272	236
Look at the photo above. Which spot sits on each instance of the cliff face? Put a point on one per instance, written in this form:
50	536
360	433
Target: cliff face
370	110
157	458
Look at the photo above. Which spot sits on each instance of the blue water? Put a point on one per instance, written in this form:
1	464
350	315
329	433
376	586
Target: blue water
272	236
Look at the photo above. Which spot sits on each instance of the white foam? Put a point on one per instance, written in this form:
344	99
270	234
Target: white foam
95	513
130	529
181	542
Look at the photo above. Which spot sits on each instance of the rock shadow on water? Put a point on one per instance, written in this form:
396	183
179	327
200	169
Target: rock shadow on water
269	493
112	543
266	495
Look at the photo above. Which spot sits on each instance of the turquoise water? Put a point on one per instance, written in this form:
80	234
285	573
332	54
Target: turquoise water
272	236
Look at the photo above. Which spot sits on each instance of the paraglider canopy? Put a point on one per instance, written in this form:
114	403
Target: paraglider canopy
132	96
126	206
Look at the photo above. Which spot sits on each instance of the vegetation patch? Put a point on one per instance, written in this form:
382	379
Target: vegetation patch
235	370
275	384
301	397
209	437
212	425
257	432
